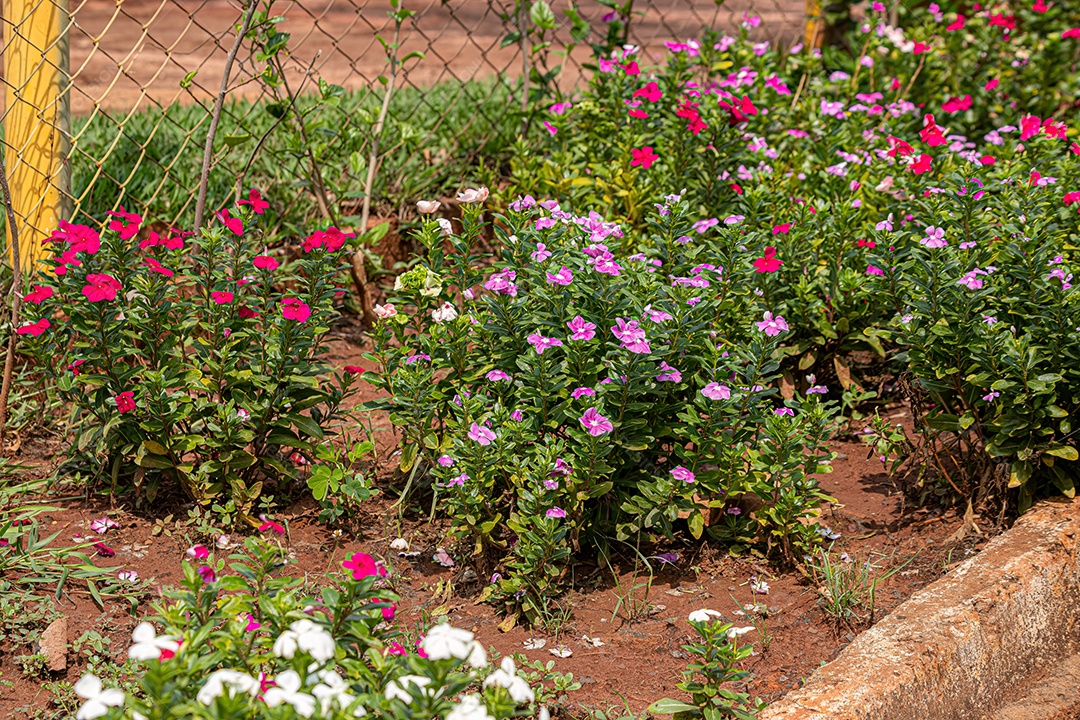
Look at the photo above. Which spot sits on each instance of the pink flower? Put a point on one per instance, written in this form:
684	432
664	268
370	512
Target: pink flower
157	267
681	473
207	573
702	225
768	263
583	392
395	648
125	401
716	391
580	329
39	294
541	253
254	199
271	525
100	287
235	225
550	128
126	224
198	552
104	550
595	423
871	270
651	92
784	411
781	229
935	238
555	512
772	326
265	262
223	297
563	277
388	612
35	328
295	309
481	434
1071	33
542	343
955	105
363	565
643	156
497	375
670	374
103	525
251	625
1030	126
923	164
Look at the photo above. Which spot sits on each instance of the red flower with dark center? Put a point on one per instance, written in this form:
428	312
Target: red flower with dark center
222	297
126	224
125	401
265	262
863	242
100	287
295	309
363	565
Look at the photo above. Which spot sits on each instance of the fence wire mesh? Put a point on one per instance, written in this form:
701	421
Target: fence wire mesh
108	104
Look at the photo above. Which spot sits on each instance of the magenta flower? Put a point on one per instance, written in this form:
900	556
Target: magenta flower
481	434
670	374
583	391
716	391
702	225
991	396
542	343
198	552
785	411
541	253
445	460
772	326
563	277
556	512
681	473
631	335
251	624
497	375
561	468
103	525
657	316
595	423
935	238
459	480
207	573
516	416
871	270
581	330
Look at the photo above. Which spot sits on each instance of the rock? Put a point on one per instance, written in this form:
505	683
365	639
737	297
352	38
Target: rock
54	645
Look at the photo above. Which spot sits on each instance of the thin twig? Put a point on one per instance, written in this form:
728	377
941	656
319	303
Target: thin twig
208	151
16	299
317	185
373	156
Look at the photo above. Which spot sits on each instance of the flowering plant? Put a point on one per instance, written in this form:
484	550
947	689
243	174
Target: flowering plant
250	644
572	394
186	357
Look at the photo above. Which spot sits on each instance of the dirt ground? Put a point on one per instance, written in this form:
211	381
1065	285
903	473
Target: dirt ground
640	659
135	54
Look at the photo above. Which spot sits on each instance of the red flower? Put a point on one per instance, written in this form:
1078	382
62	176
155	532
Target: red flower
354	370
80	237
1075	147
643	156
254	199
388	612
631	68
987	160
768	263
955	105
271	525
740	110
104	550
363	565
958	25
157	267
265	262
74	367
1008	22
932	134
781	229
1071	33
247	313
295	309
126	224
1030	126
1040	6
39	294
920	48
696	125
222	297
331	239
650	92
922	164
100	287
236	225
899	147
125	401
866	243
1072	197
736	188
993	83
34	329
635	113
171	242
1054	129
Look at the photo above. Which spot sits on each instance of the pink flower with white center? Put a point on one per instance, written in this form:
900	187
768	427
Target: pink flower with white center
555	512
561	468
542	343
385	311
541	253
991	396
734	219
702	225
657	316
583	392
563	277
772	326
716	391
497	375
516	416
502	282
198	552
631	335
607	266
670	374
595	423
681	473
481	434
580	329
459	480
103	525
971	279
445	461
935	238
128	576
785	411
473	195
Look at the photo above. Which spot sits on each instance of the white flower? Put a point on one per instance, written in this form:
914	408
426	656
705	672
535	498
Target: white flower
444	642
704	615
446	313
543	714
445	227
149	645
333	691
399	544
399	688
735	632
385	311
98	700
470	708
426	207
472	195
128	576
505	677
759	587
287	690
219	680
308	637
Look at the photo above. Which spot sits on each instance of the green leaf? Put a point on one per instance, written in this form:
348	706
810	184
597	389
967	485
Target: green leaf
696	521
1065	452
541	15
667	706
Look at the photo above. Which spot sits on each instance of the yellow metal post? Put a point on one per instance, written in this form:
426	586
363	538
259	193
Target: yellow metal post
814	24
36	119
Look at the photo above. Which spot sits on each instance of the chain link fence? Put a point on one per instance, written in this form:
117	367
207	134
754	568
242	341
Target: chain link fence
108	104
